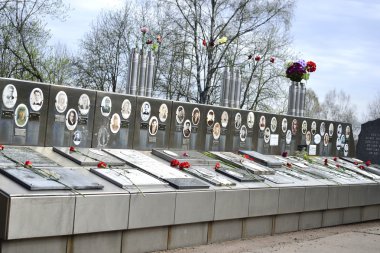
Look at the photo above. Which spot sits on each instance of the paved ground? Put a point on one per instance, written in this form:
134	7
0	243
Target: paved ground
363	237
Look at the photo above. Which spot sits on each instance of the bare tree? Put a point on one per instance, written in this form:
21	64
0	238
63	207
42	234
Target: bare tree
373	111
313	107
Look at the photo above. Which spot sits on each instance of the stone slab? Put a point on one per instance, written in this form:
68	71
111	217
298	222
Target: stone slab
135	240
310	220
332	217
316	198
225	230
370	212
109	242
231	204
35	245
187	235
258	226
357	195
263	202
286	223
338	197
373	196
351	215
291	200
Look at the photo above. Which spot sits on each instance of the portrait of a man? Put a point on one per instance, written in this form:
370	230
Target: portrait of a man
163	112
106	106
250	119
115	123
187	129
243	133
71	119
9	96
126	109
36	99
84	104
210	117
237	120
196	116
61	101
216	131
153	125
145	111
180	114
21	115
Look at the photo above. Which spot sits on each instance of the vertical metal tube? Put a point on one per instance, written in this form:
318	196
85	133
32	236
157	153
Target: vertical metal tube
232	88
222	90
291	99
129	75
237	88
142	73
302	100
149	78
134	73
298	98
226	87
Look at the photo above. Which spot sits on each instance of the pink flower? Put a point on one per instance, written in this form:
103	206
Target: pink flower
144	29
1	147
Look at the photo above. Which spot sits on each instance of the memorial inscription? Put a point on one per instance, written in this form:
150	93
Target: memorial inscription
368	147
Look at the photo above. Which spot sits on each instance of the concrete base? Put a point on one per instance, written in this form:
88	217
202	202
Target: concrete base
338	197
226	230
316	198
263	202
291	200
187	235
370	212
286	223
145	240
332	217
351	215
109	242
257	226
310	220
39	245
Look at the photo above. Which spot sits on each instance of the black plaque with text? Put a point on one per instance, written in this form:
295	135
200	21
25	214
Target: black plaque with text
368	146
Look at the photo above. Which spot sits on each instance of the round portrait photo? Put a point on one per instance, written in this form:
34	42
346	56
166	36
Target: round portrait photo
313	128
308	138
61	101
262	123
126	109
195	116
115	123
103	136
163	112
348	132
153	125
338	143
77	137
216	131
21	115
237	120
145	111
224	119
106	106
267	135
317	139
284	125
331	129
304	127
322	129
243	133
326	139
210	117
84	104
273	124
294	126
71	119
36	99
180	114
288	137
339	130
186	128
345	150
250	119
9	96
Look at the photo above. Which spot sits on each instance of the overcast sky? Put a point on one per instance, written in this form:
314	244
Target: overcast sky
341	36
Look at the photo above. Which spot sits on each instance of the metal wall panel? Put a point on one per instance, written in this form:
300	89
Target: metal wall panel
70	116
114	120
23	110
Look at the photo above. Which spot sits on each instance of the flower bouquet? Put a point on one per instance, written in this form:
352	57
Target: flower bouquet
300	70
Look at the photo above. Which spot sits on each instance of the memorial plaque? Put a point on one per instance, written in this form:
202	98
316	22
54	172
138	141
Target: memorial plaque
114	120
241	129
193	157
88	156
174	177
23	110
278	178
217	121
52	178
23	154
368	146
187	128
128	177
152	123
263	159
70	117
239	174
5	162
241	162
210	176
353	168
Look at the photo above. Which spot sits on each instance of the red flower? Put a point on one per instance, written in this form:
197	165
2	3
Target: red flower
311	66
335	159
361	167
326	162
28	164
368	163
1	147
148	42
102	165
185	154
257	58
356	163
284	154
144	29
289	165
272	59
204	43
217	166
72	149
248	157
184	165
174	163
337	165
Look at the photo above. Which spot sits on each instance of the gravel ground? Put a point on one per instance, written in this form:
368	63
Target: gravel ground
362	237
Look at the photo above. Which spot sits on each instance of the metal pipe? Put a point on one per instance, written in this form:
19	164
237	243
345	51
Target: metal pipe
291	99
226	87
129	75
134	72
298	97
232	88
237	88
149	78
302	100
142	73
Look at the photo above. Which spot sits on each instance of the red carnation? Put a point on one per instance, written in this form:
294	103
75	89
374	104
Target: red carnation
284	154
217	166
28	164
174	163
72	149
326	162
1	147
356	163
148	42
185	154
272	59
337	165
361	167
289	165
335	159
311	66
102	165
368	163
204	43
184	165
248	157
257	58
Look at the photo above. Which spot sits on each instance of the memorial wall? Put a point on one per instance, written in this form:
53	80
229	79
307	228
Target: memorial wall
38	114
